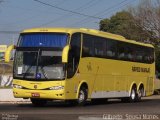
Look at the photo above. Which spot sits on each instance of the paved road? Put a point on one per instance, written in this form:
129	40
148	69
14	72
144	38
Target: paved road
148	109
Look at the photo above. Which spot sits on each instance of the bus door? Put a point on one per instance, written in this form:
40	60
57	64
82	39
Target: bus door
73	63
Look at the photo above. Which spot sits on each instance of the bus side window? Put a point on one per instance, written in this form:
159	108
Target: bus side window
111	49
99	47
88	49
124	51
139	54
149	55
146	56
128	51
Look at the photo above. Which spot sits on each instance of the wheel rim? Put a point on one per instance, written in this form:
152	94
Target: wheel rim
81	96
139	93
133	94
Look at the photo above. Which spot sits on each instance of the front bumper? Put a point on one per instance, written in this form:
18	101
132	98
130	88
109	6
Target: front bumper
44	94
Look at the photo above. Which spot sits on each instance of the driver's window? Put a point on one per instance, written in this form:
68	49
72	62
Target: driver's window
74	54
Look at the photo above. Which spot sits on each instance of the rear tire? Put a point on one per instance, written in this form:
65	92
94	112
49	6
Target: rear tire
82	96
140	94
38	102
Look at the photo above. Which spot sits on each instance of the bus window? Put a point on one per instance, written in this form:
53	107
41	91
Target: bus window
99	46
42	65
139	54
50	65
130	53
149	56
88	49
121	51
111	49
74	54
125	51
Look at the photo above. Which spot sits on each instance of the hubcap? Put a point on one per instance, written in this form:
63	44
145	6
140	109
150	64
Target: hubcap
81	96
139	93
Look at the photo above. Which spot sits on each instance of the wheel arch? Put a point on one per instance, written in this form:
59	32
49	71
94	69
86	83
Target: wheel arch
140	86
131	86
82	84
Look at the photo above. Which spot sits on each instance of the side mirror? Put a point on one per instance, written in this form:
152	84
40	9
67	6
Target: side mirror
65	54
8	53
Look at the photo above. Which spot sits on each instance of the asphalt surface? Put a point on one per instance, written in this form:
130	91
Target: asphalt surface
147	109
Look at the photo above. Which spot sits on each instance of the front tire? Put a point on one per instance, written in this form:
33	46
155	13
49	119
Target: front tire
82	96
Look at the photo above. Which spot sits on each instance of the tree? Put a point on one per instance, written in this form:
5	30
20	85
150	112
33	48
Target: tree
123	24
147	16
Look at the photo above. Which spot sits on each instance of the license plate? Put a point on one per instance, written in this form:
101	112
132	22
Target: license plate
35	94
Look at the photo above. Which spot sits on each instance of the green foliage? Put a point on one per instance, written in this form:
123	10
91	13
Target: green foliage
123	24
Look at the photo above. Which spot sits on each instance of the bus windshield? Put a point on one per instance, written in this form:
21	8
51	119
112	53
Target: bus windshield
43	40
39	64
39	56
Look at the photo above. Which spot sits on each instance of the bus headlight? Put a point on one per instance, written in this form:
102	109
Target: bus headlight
17	86
56	88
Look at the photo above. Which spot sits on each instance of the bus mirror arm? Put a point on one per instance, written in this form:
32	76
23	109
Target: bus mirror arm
65	54
8	52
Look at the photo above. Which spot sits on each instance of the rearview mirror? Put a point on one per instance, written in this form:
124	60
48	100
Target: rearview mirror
8	53
65	54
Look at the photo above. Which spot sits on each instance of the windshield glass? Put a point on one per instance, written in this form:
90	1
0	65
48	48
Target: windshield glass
50	65
39	56
39	64
43	40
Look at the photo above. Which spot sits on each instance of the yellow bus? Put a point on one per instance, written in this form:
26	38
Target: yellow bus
79	65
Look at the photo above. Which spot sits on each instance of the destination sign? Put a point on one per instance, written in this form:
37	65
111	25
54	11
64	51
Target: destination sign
140	69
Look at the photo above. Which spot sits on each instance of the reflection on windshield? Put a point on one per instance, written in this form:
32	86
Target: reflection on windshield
39	65
50	66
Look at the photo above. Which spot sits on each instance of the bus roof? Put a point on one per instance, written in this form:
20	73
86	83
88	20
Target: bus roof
87	31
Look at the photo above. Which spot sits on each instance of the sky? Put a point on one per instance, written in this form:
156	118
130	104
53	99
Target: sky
17	15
